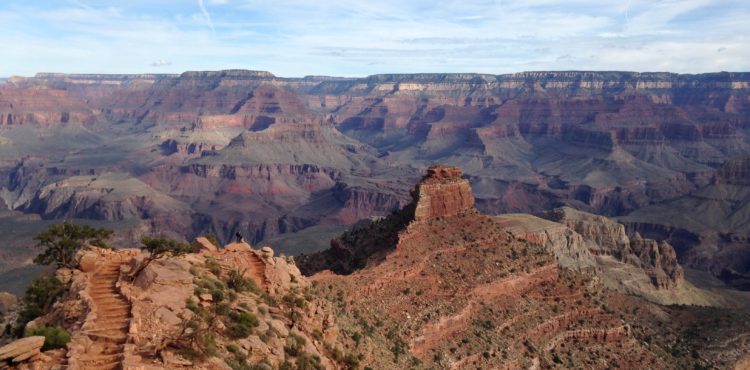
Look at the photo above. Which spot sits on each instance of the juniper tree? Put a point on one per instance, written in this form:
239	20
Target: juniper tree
62	241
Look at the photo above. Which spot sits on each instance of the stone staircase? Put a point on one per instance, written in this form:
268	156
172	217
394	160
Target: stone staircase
257	269
110	328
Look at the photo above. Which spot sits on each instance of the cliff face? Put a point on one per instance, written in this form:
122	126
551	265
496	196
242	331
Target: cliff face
606	237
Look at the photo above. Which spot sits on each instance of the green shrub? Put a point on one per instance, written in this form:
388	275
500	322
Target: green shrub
217	296
237	281
62	241
242	324
212	265
223	309
40	296
294	345
233	348
398	349
307	362
294	300
192	306
351	361
54	337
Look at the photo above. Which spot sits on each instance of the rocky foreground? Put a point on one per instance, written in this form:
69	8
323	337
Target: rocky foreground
434	285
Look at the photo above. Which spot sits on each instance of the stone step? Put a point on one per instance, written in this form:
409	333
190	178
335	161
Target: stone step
101	297
107	327
113	316
108	337
112	302
102	357
100	289
103	366
123	308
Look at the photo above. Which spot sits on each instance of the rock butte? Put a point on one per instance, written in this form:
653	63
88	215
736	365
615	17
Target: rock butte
442	192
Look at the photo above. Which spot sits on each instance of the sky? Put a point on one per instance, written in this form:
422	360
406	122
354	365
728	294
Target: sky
294	38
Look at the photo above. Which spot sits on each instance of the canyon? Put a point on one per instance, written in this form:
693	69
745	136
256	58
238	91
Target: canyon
434	284
287	159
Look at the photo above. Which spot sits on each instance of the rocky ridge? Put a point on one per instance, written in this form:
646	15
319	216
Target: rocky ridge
465	289
256	304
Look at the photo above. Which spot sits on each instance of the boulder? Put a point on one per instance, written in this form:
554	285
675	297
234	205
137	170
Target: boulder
88	262
22	349
204	245
237	247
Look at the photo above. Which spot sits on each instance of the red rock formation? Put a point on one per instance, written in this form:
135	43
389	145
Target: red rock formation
456	289
442	192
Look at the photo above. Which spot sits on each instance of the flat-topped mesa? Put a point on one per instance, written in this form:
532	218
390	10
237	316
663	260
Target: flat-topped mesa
442	192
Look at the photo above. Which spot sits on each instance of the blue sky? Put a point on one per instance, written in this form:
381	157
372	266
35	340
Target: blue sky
356	38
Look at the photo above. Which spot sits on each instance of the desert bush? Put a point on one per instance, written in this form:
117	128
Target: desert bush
294	345
237	281
213	265
307	362
161	247
351	361
242	324
40	296
54	337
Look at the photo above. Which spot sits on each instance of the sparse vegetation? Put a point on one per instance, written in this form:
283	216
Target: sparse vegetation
62	241
213	266
54	337
159	248
237	281
242	324
40	296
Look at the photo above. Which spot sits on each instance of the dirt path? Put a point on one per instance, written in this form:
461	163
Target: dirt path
257	270
110	324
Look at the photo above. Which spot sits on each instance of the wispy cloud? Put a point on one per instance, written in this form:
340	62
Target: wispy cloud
298	37
207	16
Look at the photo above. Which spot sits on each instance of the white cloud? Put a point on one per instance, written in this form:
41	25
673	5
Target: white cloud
161	63
295	37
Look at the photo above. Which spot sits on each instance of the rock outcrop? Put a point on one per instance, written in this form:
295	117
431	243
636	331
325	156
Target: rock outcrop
216	308
21	350
607	237
457	289
442	192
